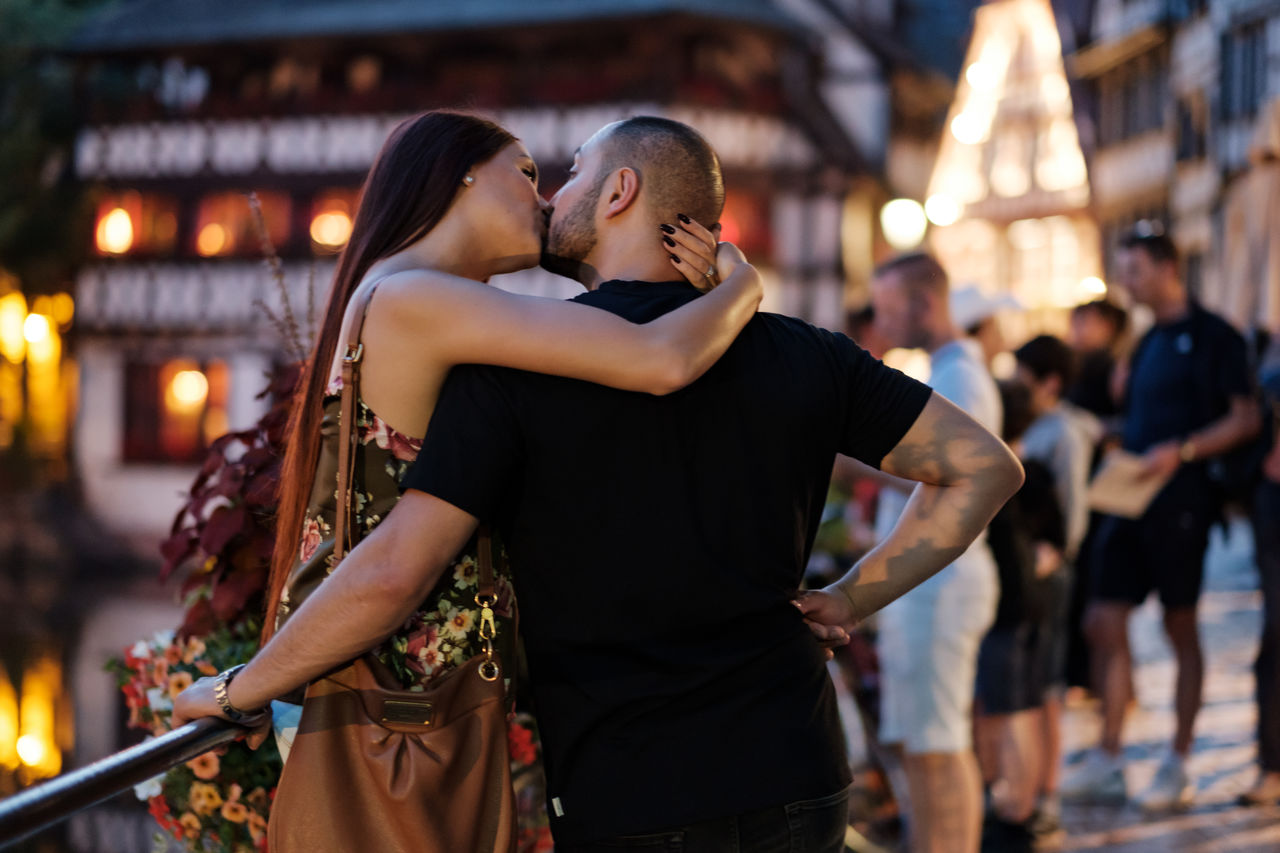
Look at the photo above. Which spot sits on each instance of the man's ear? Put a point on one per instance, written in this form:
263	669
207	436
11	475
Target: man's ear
620	192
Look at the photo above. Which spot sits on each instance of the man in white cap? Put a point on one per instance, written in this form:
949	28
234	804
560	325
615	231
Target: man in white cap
974	313
929	638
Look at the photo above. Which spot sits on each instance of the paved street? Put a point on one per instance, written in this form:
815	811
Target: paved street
1223	759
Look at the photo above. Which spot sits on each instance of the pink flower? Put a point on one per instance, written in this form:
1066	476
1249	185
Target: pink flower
311	539
419	640
402	447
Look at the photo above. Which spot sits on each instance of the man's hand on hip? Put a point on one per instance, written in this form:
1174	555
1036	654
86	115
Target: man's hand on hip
829	615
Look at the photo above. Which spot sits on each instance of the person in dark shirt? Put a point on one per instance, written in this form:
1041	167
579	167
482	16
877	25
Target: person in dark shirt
1027	538
1097	328
658	543
1187	400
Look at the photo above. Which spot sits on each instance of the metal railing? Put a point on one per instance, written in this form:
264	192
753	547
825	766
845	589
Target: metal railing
41	806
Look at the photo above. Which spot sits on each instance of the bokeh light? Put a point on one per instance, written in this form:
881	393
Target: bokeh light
115	232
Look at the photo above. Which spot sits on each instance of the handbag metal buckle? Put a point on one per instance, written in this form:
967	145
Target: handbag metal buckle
406	712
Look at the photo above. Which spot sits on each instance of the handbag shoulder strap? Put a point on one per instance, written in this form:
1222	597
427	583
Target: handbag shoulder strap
347	533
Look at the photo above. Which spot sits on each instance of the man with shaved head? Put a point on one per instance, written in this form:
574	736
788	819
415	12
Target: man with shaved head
690	185
658	542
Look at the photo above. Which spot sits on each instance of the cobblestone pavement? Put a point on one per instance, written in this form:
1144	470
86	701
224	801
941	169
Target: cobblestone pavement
1223	757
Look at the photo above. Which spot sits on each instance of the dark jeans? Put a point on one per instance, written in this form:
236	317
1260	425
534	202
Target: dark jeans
808	826
1266	531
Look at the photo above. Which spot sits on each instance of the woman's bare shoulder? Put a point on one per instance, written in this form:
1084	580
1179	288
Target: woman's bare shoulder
420	286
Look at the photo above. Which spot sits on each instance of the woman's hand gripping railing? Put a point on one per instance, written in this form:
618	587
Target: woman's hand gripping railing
41	806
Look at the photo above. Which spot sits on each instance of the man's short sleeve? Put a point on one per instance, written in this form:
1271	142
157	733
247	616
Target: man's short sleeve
473	448
879	403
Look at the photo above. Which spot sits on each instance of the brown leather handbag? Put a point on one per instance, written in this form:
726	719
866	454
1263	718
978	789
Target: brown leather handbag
377	768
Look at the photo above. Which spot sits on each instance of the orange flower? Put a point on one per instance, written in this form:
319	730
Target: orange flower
258	799
205	799
195	648
204	766
257	827
173	654
190	825
206	668
179	682
235	811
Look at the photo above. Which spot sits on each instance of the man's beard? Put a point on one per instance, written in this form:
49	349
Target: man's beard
570	239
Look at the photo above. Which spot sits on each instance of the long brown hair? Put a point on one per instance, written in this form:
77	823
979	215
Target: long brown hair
408	190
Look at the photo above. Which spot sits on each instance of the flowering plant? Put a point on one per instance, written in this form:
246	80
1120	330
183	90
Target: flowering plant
213	802
525	749
222	539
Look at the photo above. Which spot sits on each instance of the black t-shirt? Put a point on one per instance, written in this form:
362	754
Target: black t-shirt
1032	515
1092	388
656	544
1182	378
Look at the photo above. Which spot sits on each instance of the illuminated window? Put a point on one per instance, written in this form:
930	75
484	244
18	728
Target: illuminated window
135	223
174	409
225	224
331	215
745	222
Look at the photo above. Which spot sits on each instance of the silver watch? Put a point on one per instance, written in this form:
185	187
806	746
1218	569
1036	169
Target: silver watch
220	684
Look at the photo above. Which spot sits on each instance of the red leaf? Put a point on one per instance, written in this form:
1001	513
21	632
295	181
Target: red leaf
199	620
264	544
231	482
223	525
262	489
196	580
175	550
233	591
258	457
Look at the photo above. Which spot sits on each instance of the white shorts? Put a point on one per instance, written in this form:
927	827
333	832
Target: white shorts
928	647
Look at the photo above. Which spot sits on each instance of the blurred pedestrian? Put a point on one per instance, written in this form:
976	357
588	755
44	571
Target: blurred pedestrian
1097	333
978	315
928	641
1187	398
1062	438
860	325
1266	531
1027	538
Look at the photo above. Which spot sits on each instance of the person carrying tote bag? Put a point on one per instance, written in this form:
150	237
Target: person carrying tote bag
377	767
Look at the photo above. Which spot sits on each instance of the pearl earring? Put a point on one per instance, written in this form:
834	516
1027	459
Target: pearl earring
469	180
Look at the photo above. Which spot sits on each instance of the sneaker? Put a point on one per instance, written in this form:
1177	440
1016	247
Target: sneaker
1099	779
1046	823
1171	788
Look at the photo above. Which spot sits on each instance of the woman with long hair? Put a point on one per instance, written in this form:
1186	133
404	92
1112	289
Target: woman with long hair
452	200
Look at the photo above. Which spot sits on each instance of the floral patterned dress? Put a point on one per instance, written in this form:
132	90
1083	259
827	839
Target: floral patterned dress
442	633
